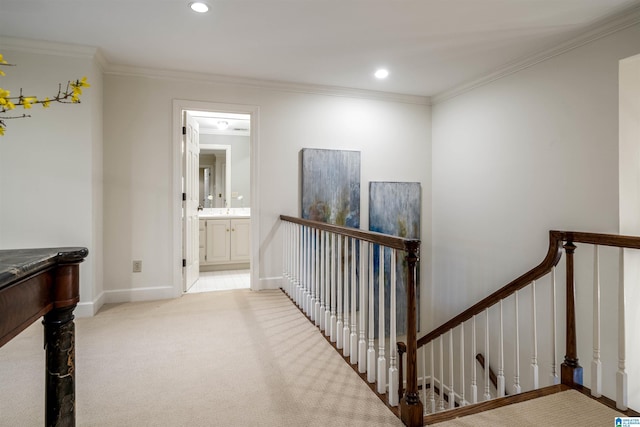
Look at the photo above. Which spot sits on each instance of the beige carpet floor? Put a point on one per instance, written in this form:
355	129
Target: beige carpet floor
230	358
567	408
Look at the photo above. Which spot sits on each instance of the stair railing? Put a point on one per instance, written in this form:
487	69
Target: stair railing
484	325
330	273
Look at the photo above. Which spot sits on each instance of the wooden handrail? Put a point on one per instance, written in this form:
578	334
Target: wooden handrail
410	404
400	243
551	259
556	241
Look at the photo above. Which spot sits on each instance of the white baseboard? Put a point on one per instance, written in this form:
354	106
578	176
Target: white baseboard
139	294
89	309
270	283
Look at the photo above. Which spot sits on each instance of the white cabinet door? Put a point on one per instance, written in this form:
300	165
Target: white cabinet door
240	239
203	241
218	240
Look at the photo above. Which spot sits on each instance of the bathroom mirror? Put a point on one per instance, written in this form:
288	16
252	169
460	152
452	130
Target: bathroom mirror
228	158
215	176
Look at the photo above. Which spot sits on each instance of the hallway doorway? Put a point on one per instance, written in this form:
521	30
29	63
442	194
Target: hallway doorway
224	189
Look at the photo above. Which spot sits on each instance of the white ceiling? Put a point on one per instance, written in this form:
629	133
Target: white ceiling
429	46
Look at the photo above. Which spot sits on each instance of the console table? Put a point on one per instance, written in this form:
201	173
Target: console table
45	282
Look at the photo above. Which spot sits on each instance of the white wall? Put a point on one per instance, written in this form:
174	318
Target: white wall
51	163
629	99
394	138
534	151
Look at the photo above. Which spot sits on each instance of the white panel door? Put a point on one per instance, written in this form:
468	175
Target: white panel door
190	240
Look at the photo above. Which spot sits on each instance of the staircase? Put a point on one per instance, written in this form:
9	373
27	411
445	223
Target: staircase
358	286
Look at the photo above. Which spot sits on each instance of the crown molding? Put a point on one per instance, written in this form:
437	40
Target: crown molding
123	70
40	47
617	22
48	48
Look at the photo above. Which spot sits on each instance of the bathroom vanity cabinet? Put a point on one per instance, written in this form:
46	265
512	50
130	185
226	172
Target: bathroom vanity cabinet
224	241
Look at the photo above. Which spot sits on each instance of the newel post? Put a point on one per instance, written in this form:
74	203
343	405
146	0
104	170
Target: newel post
571	371
410	405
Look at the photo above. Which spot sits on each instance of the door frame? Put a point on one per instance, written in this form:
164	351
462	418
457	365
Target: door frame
176	184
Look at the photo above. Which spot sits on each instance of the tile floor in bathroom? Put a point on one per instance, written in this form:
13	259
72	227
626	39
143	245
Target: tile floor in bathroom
220	281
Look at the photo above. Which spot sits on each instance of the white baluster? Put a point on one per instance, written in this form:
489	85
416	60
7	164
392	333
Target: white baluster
452	395
382	361
500	379
339	265
554	371
353	345
462	383
621	375
303	269
285	275
334	255
362	343
318	269
517	389
393	369
534	357
423	359
345	270
441	405
371	352
432	380
312	275
298	262
301	277
323	280
487	389
596	364
474	351
310	304
327	285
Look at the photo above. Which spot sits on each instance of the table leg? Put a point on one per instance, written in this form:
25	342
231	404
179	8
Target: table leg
59	333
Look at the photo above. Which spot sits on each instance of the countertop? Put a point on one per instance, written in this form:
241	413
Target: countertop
16	264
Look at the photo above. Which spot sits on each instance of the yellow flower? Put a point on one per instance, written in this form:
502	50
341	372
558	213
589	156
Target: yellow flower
1	130
46	103
27	101
2	73
4	93
75	97
84	82
2	61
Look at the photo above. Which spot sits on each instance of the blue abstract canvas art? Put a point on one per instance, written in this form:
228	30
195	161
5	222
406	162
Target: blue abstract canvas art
331	186
394	208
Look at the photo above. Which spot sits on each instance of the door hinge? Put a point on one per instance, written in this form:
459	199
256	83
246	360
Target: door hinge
184	197
184	262
184	130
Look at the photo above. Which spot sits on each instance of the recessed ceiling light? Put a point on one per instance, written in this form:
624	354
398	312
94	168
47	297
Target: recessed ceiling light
222	124
199	7
381	73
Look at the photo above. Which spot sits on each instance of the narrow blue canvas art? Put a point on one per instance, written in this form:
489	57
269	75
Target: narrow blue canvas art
331	186
394	208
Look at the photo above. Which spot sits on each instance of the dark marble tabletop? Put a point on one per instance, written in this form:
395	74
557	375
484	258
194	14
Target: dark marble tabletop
16	264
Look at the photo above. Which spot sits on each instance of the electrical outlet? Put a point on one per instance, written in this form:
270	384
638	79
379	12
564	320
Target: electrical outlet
137	266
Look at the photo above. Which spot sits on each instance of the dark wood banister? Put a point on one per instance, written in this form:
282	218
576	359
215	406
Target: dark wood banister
556	239
394	242
571	372
410	405
551	259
